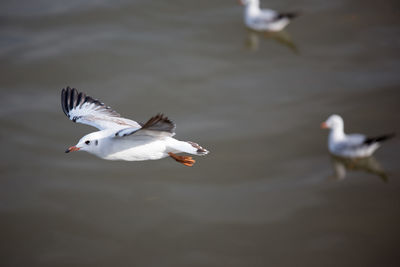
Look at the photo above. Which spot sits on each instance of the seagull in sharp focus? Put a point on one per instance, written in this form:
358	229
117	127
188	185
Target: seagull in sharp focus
124	139
264	19
350	145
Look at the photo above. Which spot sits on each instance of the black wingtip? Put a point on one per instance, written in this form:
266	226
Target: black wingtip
64	99
289	15
71	98
380	138
74	96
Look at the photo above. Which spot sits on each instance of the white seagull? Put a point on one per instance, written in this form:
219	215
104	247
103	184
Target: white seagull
264	19
350	145
123	139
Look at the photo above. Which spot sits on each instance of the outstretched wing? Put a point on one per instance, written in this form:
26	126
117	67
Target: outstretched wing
158	125
84	109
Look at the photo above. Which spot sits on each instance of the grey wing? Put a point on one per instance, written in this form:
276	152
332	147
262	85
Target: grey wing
270	16
267	16
84	109
157	126
355	139
352	142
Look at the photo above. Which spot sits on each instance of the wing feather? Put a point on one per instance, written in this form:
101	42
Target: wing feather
84	109
158	125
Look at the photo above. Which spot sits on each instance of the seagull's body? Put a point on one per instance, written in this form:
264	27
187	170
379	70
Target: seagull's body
124	139
350	145
264	19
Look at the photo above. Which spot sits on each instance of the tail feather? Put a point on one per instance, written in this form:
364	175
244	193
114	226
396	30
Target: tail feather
187	147
200	150
377	139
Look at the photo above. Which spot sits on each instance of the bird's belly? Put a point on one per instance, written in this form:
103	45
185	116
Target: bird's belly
359	152
279	25
136	151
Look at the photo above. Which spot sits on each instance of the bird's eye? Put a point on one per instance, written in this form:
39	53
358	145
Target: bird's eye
87	142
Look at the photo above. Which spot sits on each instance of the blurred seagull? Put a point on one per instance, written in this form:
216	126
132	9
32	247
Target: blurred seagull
123	139
264	19
350	145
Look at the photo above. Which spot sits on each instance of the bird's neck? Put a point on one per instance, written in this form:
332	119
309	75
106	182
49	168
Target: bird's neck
253	7
337	134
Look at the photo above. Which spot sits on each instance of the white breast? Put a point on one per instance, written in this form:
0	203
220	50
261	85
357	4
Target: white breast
133	149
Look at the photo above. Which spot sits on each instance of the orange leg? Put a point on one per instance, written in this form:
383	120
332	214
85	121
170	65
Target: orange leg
185	160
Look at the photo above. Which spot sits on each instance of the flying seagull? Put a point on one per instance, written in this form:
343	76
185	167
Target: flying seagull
119	138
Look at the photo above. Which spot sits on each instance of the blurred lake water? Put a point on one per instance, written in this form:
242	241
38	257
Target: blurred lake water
264	196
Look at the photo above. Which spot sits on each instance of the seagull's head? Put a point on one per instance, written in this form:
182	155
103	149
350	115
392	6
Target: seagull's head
333	122
89	143
247	2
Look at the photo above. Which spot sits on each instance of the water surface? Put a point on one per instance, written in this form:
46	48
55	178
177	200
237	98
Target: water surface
266	195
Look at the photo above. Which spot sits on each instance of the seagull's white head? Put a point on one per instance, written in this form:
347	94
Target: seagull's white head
333	122
89	143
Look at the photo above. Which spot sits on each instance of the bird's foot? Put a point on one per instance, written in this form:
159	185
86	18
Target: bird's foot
185	160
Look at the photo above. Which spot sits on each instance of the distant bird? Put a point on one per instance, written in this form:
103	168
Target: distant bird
123	139
264	19
350	145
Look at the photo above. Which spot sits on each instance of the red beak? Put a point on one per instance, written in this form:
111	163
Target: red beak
72	148
324	125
